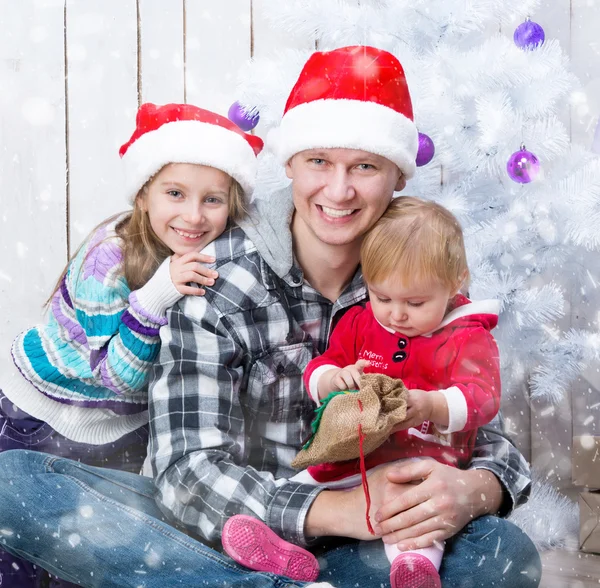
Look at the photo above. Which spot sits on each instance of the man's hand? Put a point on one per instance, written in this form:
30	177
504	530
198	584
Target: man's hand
413	504
343	512
441	501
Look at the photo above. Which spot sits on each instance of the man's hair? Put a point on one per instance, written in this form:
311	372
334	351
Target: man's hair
415	241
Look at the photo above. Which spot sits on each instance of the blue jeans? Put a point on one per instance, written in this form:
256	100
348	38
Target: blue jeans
100	527
19	430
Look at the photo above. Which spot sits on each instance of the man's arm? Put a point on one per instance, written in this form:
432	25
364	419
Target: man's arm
443	499
198	439
496	453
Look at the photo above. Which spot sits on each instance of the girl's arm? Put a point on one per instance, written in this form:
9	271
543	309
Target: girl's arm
121	327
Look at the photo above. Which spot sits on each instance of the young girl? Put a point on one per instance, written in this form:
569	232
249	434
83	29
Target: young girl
416	327
79	384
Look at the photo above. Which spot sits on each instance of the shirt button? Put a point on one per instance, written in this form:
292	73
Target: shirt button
399	356
402	343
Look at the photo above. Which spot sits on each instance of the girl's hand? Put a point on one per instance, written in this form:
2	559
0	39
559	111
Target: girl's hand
348	378
187	269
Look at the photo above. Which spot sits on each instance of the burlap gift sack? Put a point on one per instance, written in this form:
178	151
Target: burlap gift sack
378	406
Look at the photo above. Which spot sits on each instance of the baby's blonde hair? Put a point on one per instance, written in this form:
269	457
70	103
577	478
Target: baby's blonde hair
415	241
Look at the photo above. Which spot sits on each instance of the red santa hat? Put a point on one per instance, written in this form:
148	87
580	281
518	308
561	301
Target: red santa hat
353	97
183	133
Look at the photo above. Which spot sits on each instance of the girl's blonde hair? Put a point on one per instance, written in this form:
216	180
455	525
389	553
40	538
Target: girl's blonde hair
415	241
142	250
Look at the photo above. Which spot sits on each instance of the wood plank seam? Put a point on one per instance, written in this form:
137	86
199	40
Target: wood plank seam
67	150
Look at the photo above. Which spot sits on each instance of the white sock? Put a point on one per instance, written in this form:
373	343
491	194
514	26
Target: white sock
433	554
320	585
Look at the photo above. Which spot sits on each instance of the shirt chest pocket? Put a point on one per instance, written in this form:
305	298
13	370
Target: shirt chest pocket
275	390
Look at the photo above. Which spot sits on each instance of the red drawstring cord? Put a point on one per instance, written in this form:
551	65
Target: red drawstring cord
363	472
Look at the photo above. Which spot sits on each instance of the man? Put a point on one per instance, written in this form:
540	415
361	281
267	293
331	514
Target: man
228	412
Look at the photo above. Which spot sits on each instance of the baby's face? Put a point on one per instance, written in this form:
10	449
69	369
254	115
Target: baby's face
410	310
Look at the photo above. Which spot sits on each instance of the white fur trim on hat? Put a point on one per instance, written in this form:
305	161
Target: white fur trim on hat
189	141
350	124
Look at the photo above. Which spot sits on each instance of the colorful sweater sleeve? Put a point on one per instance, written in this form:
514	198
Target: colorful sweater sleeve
473	394
121	327
342	351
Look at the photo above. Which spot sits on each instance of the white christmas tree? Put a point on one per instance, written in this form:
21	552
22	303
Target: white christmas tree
480	97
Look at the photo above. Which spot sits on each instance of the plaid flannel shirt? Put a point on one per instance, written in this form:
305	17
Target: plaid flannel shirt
228	411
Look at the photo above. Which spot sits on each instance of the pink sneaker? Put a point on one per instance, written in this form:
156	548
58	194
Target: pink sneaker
412	570
252	544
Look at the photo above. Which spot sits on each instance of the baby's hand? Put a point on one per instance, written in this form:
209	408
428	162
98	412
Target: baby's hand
418	410
188	268
348	378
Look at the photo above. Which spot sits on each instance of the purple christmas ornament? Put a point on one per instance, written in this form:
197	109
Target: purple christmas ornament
529	35
242	118
426	150
523	166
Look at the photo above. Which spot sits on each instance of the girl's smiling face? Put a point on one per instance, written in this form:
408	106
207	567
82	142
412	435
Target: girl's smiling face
187	205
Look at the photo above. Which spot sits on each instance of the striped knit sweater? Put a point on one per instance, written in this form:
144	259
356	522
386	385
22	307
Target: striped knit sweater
85	370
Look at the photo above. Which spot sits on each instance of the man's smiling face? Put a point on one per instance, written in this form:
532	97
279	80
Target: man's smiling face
339	194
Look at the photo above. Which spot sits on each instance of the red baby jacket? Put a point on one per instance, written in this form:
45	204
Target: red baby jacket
460	358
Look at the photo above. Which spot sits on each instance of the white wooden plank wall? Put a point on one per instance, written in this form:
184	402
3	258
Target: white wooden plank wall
218	40
59	167
161	69
33	228
102	98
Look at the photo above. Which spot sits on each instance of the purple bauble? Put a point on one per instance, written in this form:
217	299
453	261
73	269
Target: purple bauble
242	118
426	150
529	35
523	166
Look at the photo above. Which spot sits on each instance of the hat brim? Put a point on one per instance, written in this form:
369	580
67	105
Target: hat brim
189	141
349	124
